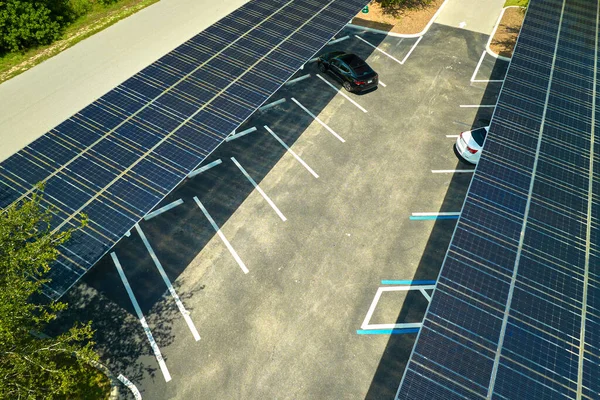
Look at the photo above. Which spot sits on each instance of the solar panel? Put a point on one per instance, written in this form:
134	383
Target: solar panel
116	159
514	314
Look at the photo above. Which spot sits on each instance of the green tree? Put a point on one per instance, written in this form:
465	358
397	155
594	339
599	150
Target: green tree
33	365
25	24
395	6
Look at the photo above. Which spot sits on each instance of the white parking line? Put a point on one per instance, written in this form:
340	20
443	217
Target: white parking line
427	296
451	136
136	393
262	193
382	84
414	46
378	49
323	124
138	311
296	156
477	70
223	238
163	209
271	105
339	40
205	168
452	171
234	136
342	93
432	214
297	79
477	105
161	270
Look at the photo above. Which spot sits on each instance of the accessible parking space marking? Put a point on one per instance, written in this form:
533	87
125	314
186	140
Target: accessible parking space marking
452	171
138	310
477	70
421	216
323	124
163	274
342	93
389	55
223	238
296	156
262	193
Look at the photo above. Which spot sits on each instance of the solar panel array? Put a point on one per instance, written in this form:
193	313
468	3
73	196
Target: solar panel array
118	157
516	310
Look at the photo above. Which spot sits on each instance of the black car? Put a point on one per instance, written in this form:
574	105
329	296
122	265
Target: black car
351	70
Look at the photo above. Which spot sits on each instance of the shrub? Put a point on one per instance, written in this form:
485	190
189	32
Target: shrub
25	24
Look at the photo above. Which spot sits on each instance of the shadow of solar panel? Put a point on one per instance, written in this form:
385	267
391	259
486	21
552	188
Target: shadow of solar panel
118	157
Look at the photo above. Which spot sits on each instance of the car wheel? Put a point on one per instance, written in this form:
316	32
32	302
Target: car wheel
322	67
347	86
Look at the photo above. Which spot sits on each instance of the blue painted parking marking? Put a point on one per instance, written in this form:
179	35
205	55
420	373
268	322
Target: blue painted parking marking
387	331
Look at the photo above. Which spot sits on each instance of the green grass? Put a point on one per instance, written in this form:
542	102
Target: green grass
98	18
520	3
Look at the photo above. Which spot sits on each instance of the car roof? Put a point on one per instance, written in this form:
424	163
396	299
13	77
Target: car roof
351	59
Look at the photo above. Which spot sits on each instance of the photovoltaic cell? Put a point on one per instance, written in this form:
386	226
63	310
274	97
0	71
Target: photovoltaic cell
518	284
117	158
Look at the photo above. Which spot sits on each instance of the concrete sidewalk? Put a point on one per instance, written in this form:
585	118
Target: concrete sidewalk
37	100
473	15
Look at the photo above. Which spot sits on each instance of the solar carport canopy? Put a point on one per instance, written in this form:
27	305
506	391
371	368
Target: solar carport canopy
516	310
117	158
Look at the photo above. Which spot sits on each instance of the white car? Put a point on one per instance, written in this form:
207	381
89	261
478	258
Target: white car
469	144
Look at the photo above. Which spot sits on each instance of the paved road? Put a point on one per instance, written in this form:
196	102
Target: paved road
36	101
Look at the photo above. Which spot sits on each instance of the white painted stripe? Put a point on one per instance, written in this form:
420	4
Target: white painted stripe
223	238
451	136
128	233
488	80
477	105
273	104
134	390
411	50
238	135
262	193
452	171
313	59
477	67
296	156
205	168
371	309
427	296
342	93
323	124
163	209
300	78
425	214
378	49
339	40
382	84
163	274
138	311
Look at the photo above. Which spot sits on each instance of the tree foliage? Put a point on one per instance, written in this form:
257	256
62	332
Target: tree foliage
396	6
25	24
33	365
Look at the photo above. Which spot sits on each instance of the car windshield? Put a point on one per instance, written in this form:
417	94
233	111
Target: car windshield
479	135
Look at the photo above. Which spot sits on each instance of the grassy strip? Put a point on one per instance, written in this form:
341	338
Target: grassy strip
99	18
520	3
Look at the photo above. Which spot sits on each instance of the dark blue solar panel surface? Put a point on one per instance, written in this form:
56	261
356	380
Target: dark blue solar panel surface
118	157
515	314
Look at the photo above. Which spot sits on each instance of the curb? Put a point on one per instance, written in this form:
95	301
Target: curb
114	383
487	46
401	35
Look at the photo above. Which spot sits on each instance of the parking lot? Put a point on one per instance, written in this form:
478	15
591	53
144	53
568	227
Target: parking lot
313	210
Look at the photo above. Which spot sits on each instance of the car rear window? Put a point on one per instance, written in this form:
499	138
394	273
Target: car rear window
479	135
